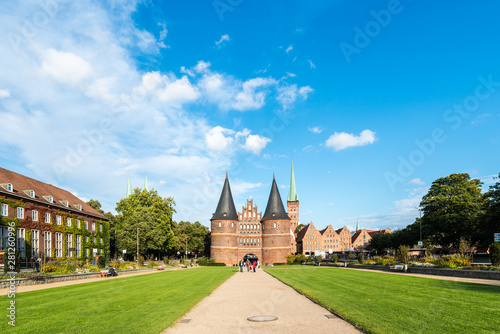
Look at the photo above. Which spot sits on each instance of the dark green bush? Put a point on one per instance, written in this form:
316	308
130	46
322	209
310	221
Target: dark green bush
361	258
495	253
335	258
403	256
101	261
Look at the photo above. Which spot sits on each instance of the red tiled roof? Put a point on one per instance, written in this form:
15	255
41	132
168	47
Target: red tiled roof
302	232
355	235
20	183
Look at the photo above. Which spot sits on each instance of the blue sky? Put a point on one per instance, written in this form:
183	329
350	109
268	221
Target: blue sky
373	101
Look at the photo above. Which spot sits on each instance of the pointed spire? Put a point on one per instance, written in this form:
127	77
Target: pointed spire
225	208
129	187
146	182
275	209
357	226
292	195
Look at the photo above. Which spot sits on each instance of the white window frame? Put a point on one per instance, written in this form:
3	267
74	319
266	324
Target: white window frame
21	241
4	237
87	225
78	223
35	243
93	226
58	220
34	215
47	218
69	245
68	221
4	210
58	248
20	212
87	252
100	227
78	245
47	243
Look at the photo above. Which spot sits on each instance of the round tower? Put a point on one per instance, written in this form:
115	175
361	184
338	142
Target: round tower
276	236
224	225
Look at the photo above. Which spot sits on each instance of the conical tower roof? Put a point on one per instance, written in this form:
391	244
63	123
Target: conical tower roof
275	208
292	195
129	188
225	208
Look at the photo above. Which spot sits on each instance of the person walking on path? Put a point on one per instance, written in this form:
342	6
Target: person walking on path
254	265
248	265
241	266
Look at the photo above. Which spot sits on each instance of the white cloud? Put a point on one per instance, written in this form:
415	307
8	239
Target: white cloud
4	93
163	36
241	188
220	42
216	140
252	96
304	91
202	66
311	64
256	143
65	67
287	94
342	140
417	182
315	129
181	90
289	48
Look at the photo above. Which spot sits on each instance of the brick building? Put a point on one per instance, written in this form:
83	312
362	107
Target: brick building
268	237
50	222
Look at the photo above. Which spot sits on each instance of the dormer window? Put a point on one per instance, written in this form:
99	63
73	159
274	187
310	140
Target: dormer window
7	186
49	199
78	206
65	203
30	193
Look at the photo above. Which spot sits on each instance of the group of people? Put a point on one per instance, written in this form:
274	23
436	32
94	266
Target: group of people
251	265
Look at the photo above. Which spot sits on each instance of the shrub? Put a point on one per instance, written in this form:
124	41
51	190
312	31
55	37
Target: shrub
101	261
299	258
49	268
361	258
290	258
335	258
403	254
495	253
388	261
141	261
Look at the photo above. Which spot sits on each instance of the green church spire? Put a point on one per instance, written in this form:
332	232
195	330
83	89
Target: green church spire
292	195
357	226
129	188
146	182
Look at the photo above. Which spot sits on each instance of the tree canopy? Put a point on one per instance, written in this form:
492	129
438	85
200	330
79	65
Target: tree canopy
153	215
453	209
197	237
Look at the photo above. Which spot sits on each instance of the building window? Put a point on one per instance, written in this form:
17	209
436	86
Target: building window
5	210
34	215
93	226
86	252
47	239
58	220
4	237
58	249
68	221
87	225
35	243
93	240
232	224
100	227
78	245
21	241
274	225
20	213
78	223
47	218
220	224
86	239
69	245
100	241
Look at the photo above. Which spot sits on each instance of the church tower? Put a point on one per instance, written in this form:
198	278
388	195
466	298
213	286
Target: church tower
276	237
292	203
224	224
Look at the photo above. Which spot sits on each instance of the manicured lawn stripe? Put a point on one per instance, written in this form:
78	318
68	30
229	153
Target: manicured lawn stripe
382	303
139	304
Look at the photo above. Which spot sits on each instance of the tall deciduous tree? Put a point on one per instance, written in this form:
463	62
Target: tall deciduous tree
195	233
158	229
491	222
453	209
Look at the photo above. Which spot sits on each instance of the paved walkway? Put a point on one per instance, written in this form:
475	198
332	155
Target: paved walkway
251	294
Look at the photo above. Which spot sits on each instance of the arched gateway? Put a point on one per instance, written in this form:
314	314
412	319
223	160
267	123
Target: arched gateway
251	257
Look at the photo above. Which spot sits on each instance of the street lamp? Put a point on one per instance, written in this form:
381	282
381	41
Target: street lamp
138	245
186	248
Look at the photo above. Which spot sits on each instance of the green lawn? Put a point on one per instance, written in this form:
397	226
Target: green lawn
139	304
382	303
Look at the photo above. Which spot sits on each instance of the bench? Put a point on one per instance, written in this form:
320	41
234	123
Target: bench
341	264
105	273
162	267
399	267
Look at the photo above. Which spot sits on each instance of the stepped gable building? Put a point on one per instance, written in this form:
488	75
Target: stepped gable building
266	237
50	222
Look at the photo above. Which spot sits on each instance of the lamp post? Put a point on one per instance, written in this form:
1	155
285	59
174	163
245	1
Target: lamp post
138	245
185	257
420	221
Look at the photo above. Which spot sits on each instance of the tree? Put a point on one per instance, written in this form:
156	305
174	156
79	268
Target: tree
127	235
159	235
195	233
380	242
453	208
298	228
95	204
491	221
